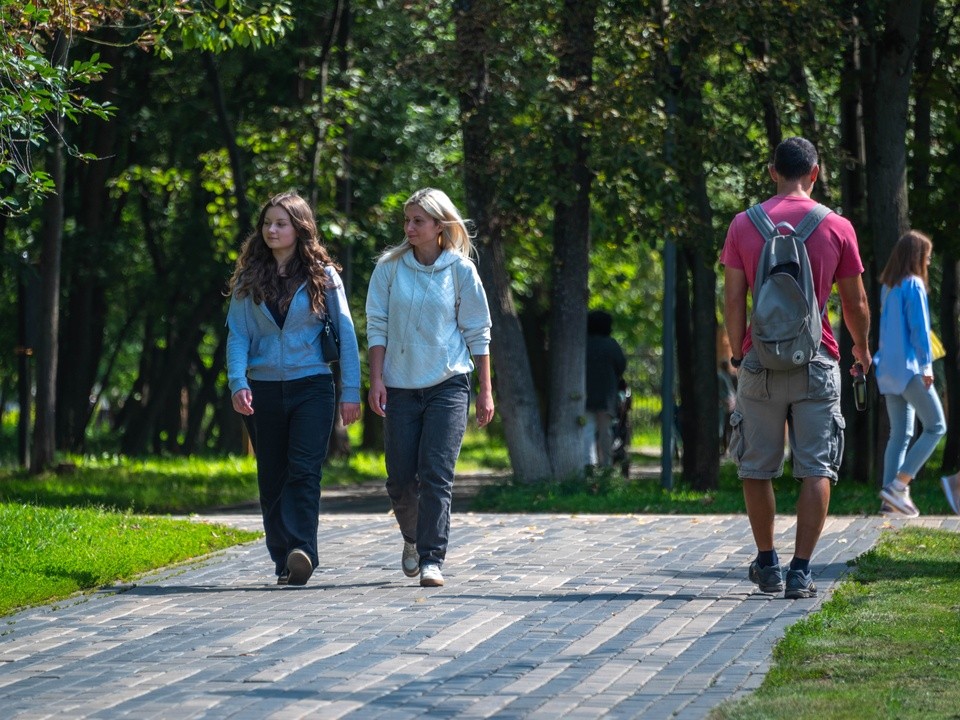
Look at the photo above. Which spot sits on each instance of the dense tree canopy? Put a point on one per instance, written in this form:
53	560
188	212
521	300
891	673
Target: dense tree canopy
581	137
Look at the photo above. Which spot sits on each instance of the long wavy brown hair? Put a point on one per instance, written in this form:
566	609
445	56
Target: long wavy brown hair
910	256
256	270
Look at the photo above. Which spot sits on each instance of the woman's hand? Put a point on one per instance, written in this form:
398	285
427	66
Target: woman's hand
243	402
485	407
927	381
349	412
377	397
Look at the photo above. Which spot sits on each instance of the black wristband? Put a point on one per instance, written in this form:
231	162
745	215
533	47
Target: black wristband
736	362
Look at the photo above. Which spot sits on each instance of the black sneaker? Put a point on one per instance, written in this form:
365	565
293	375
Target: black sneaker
770	579
299	567
799	585
283	578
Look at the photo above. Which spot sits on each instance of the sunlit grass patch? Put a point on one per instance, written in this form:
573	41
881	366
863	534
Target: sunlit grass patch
886	645
52	553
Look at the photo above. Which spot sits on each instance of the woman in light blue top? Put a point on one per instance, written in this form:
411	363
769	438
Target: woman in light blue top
283	286
904	367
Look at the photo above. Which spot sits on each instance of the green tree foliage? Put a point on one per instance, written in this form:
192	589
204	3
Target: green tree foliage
198	112
32	90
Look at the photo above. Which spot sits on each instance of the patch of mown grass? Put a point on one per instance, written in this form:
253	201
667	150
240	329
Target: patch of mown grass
153	485
605	491
886	645
181	485
51	553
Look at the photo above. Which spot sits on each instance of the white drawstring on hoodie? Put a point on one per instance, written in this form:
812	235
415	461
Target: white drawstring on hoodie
416	286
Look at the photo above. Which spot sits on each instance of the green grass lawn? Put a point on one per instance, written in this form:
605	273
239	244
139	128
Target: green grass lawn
886	645
606	491
47	554
178	485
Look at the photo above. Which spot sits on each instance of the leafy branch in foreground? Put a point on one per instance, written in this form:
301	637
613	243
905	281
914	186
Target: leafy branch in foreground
39	85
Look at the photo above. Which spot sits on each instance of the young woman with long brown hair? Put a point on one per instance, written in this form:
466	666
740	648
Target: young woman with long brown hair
904	367
284	285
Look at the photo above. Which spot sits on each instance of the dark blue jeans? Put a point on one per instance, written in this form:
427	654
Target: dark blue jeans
293	422
423	431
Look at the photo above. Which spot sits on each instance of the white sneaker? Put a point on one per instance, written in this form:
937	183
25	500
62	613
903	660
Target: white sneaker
410	563
899	500
951	488
430	575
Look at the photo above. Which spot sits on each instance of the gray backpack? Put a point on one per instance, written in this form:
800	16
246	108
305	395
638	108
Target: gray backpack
786	324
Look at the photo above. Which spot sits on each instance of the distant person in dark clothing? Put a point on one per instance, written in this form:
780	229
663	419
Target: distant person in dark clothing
605	367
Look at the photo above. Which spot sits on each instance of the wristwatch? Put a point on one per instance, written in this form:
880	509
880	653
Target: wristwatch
736	362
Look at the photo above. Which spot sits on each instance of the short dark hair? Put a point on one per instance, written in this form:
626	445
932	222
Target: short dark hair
599	322
795	158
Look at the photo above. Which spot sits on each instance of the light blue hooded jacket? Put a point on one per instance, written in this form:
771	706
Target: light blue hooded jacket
905	348
258	349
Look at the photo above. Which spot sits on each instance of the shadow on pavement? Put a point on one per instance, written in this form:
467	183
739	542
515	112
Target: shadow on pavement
370	498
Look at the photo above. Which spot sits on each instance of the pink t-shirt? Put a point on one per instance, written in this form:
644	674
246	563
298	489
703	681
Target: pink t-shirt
832	248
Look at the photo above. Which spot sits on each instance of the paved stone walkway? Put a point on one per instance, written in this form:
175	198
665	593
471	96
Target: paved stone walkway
543	616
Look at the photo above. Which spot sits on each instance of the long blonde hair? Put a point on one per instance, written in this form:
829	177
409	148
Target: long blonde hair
256	271
454	234
908	257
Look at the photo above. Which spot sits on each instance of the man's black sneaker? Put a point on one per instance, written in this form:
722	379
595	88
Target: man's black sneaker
799	585
283	578
770	579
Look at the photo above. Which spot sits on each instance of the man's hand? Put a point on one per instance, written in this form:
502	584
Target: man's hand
863	356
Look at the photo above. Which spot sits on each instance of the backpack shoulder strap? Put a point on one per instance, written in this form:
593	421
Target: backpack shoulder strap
758	216
811	221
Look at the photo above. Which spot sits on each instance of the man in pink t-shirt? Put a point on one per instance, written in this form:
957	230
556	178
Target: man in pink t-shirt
805	399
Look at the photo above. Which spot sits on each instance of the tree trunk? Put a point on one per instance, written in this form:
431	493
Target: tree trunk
236	166
51	248
949	308
891	43
697	353
766	93
922	216
860	456
80	353
206	394
165	377
512	376
810	125
85	295
339	445
230	143
571	244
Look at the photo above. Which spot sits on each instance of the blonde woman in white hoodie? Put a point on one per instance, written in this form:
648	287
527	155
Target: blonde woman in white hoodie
428	328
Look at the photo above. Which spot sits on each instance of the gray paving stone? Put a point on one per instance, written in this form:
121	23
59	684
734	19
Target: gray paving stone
542	616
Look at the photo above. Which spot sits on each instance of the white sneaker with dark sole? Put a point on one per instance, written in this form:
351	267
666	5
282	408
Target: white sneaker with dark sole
899	500
430	575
